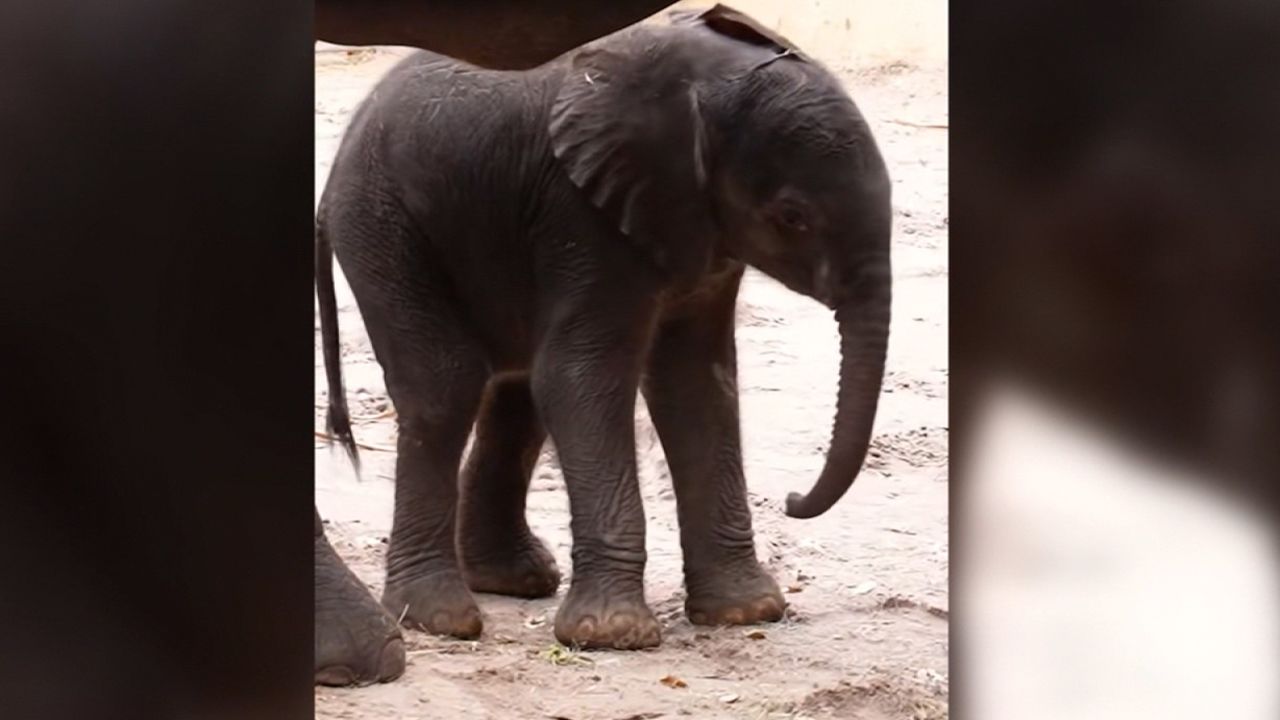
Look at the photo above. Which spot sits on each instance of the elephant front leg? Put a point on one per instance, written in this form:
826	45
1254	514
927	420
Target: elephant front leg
691	390
584	383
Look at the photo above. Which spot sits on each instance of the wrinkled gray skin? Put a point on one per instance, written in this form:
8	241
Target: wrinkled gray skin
530	249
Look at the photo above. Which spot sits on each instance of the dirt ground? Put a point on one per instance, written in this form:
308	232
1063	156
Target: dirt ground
867	629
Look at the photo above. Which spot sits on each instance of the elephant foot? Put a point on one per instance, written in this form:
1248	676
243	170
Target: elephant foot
524	568
601	616
438	603
357	641
733	596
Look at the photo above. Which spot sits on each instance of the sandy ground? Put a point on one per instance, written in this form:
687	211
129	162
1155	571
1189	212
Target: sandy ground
866	633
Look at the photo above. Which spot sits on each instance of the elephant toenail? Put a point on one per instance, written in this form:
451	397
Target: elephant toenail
769	609
586	628
622	621
698	618
335	675
471	625
734	616
391	663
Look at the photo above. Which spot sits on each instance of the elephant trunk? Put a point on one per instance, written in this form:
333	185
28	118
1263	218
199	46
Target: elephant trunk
864	336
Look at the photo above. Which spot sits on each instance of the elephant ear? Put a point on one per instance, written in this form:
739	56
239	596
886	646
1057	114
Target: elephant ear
739	26
627	128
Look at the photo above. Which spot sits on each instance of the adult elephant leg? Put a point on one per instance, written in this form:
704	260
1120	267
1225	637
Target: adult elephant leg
498	551
691	390
584	383
357	641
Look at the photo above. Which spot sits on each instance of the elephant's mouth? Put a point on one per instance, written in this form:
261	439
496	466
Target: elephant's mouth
824	288
804	278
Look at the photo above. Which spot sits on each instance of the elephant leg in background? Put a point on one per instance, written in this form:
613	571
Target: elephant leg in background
435	372
691	389
584	383
357	641
499	553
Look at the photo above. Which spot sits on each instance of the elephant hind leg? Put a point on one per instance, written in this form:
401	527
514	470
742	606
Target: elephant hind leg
435	371
435	393
435	386
499	553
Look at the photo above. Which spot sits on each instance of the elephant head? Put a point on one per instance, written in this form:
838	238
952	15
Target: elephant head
715	136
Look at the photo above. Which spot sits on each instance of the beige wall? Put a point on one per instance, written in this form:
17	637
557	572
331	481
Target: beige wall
847	34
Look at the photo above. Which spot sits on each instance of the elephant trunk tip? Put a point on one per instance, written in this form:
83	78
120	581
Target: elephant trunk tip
798	506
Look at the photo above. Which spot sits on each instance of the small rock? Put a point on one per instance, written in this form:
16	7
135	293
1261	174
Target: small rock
755	635
728	698
866	587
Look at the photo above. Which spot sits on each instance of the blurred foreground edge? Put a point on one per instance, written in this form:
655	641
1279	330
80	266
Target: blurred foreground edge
1116	223
1115	358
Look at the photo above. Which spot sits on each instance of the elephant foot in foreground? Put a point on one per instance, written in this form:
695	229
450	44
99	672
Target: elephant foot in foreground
602	615
437	603
744	595
357	642
523	568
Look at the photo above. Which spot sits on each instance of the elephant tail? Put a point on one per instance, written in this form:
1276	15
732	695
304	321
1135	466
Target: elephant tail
338	422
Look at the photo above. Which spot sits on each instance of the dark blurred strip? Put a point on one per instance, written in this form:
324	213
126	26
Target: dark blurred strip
156	199
1116	223
1115	219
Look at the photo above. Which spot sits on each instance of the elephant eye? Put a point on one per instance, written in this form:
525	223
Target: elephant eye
794	218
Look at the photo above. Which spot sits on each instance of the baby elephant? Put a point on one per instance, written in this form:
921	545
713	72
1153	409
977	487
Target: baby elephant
529	248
